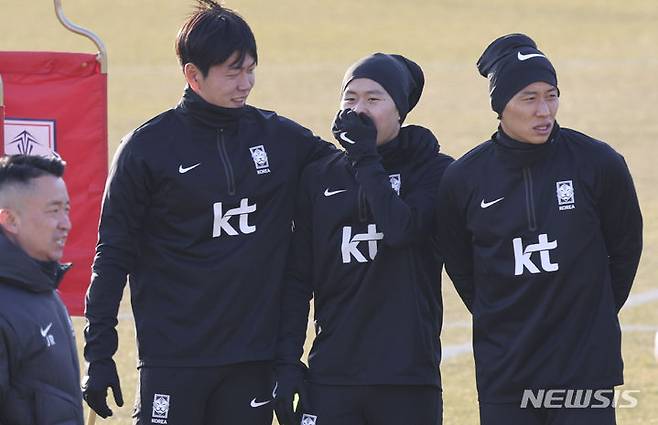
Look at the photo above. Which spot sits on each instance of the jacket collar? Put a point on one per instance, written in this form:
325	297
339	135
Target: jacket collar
19	269
519	154
413	144
208	114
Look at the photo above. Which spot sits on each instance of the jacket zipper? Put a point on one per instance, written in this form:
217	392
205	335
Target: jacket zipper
529	200
223	155
363	205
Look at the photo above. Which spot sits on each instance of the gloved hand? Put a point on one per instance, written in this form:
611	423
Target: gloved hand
101	375
357	133
290	380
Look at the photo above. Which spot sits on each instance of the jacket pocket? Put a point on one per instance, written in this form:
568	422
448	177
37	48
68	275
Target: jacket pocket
17	410
55	407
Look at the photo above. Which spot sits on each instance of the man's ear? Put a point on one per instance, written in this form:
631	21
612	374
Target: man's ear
8	221
192	75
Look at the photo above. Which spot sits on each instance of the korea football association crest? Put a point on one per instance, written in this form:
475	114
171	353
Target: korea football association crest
259	155
566	199
309	419
396	182
160	408
29	137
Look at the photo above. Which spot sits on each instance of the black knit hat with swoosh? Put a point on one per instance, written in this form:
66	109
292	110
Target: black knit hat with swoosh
402	78
512	62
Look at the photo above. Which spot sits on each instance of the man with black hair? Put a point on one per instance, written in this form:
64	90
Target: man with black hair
363	250
196	196
39	374
542	234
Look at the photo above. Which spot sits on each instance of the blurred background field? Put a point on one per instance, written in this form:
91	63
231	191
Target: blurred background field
605	53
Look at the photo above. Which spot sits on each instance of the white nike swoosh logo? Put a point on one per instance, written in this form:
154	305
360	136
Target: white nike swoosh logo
488	204
44	332
255	403
523	57
327	192
184	170
343	137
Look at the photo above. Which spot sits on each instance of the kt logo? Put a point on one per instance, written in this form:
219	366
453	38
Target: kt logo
523	256
222	219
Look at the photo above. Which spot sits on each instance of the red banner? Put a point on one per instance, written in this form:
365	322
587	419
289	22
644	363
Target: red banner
58	102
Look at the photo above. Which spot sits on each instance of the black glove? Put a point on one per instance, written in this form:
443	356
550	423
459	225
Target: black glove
101	375
290	380
357	133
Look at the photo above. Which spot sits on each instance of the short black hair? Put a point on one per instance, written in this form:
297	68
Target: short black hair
211	35
24	168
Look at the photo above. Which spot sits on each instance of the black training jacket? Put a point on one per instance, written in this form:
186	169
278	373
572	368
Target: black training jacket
542	243
39	371
197	212
362	249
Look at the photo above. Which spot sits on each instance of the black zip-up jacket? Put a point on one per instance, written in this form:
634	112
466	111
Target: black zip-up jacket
362	249
39	371
542	243
197	211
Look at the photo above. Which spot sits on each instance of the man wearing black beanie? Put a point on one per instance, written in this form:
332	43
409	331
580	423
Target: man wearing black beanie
363	250
541	232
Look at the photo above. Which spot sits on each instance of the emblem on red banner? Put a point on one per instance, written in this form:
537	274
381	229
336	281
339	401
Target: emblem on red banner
29	137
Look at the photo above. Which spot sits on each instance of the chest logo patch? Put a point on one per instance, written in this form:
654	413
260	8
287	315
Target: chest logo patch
565	195
259	155
47	336
396	182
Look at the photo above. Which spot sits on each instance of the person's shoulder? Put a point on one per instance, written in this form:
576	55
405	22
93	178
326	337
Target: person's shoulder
153	129
432	148
417	130
589	146
13	297
272	118
466	167
473	157
255	114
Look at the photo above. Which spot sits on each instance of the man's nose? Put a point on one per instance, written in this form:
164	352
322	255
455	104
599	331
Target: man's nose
360	107
245	82
65	222
543	109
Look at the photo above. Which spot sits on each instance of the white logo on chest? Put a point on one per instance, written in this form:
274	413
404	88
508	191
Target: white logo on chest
566	198
45	333
396	182
523	257
222	220
349	247
259	155
160	412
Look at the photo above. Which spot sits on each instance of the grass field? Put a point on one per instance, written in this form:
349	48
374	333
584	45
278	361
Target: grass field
605	53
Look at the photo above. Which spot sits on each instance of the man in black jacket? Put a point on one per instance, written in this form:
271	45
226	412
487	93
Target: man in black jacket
541	232
363	250
197	212
39	374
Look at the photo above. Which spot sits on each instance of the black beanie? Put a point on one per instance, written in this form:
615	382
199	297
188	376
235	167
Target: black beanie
512	62
402	79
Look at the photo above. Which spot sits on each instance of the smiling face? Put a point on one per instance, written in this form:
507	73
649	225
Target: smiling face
368	96
530	115
38	220
227	84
